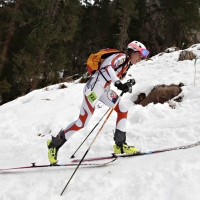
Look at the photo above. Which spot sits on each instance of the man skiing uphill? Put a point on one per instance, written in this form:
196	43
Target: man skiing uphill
98	88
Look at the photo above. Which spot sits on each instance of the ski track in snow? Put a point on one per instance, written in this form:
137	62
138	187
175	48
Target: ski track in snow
171	175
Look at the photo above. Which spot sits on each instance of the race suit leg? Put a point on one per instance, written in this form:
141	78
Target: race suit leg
109	98
86	111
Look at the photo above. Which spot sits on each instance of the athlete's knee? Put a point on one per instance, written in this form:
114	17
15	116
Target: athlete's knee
120	108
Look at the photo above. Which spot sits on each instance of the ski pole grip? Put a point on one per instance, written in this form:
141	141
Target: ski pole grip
121	94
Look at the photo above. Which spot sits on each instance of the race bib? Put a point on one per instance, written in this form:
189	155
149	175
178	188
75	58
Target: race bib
91	96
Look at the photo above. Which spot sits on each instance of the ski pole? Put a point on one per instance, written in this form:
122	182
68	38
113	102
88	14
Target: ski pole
89	134
92	142
195	70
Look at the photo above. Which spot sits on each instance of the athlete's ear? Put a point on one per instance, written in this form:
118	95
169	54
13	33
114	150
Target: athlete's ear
129	52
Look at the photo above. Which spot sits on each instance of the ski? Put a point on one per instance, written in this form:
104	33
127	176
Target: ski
112	156
34	166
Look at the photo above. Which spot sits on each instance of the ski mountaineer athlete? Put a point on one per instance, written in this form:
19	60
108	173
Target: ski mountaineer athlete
99	84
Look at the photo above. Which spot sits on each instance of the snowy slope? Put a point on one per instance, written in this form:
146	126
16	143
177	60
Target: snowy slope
167	176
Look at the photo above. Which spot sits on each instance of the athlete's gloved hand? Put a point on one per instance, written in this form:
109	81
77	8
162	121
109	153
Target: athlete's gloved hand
125	87
130	83
121	86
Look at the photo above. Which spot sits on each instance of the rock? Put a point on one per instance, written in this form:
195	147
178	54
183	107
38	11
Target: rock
171	49
160	94
70	78
186	55
62	86
140	98
84	79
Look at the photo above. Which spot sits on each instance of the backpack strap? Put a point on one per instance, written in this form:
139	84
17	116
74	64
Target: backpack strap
99	72
95	82
103	75
121	65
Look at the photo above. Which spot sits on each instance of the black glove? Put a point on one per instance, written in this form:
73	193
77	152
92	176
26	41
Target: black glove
125	87
130	83
122	86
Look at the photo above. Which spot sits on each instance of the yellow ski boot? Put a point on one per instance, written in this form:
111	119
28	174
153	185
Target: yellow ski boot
125	149
52	153
54	145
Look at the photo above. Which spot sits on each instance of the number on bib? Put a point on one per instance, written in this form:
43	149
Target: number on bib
92	97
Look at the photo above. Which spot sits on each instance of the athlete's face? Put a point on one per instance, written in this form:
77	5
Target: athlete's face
136	57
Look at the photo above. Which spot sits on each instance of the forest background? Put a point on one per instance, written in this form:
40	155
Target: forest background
44	42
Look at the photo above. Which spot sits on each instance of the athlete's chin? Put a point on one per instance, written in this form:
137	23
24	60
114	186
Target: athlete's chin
134	62
137	61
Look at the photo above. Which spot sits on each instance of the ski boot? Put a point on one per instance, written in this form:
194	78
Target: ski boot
120	146
54	145
124	148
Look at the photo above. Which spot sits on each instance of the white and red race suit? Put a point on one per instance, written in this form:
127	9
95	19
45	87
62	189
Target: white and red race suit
97	89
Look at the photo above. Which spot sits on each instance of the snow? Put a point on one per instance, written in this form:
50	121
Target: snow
29	121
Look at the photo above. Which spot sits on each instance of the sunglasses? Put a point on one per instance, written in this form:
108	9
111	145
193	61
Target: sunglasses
143	52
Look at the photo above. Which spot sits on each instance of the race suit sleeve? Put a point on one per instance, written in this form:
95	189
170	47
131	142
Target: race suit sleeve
112	74
110	64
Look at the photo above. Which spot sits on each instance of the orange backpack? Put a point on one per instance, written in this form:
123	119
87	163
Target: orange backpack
94	61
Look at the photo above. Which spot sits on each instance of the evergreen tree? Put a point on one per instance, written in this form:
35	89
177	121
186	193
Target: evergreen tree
37	49
125	12
136	24
93	32
182	20
44	55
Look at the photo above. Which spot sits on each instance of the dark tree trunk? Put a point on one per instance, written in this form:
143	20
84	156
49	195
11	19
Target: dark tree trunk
9	36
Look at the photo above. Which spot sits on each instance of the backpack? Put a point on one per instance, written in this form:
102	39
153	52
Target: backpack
94	61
